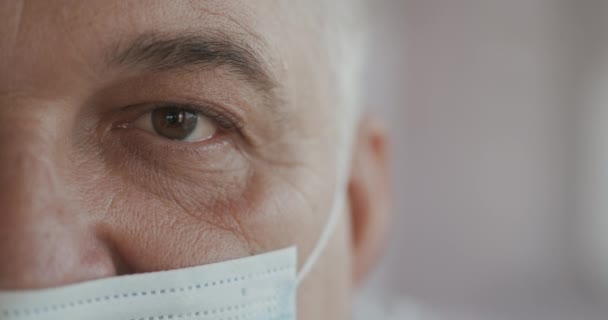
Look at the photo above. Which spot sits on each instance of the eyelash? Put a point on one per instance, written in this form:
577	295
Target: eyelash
224	120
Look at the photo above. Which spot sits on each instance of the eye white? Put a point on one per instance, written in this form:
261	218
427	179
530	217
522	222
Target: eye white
205	129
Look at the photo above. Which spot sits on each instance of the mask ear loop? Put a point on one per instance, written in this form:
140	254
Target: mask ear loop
332	221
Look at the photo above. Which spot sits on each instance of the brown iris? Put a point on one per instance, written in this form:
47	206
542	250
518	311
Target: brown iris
174	123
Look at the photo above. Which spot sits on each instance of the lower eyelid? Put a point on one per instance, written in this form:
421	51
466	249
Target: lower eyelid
141	155
150	145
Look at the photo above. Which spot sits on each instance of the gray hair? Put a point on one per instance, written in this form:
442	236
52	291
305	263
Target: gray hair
346	38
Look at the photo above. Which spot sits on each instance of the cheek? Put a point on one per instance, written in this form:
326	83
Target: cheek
150	233
185	207
156	223
153	232
164	210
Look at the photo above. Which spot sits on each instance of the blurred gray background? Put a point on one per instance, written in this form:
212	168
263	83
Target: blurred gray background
483	100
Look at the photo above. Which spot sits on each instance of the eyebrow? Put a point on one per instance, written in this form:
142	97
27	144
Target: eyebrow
161	52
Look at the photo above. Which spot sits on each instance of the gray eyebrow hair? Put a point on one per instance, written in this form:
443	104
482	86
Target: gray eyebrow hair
163	52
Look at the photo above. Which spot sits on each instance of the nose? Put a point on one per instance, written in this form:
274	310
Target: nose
45	238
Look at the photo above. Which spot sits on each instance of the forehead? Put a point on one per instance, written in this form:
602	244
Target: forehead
104	20
40	38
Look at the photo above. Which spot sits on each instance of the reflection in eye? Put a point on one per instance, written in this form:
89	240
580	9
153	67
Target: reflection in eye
176	123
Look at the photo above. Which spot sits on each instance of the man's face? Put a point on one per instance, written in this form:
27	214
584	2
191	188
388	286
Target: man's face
155	135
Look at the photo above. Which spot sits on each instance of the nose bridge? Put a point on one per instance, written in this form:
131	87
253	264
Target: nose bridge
44	241
30	143
28	170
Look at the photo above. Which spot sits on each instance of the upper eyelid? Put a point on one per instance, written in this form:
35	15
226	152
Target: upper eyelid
227	120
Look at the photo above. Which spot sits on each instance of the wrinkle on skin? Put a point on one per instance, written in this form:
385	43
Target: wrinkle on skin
109	206
20	5
253	244
38	169
186	201
144	243
261	41
299	192
301	165
78	55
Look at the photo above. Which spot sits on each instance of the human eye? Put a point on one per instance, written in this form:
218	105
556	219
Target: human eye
176	123
182	122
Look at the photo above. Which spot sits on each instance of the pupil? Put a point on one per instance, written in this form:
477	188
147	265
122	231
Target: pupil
174	123
175	117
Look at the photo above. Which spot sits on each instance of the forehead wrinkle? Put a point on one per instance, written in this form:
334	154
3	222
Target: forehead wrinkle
238	22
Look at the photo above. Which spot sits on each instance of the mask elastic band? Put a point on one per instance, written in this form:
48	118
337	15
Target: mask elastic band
332	220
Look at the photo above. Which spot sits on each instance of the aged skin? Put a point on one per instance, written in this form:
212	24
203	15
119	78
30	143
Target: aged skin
139	136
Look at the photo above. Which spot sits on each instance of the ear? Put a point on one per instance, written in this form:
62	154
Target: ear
369	193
